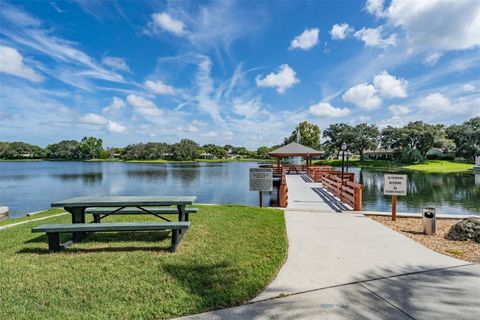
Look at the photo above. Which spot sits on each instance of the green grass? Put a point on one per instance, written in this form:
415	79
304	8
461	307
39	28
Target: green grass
440	166
429	166
227	257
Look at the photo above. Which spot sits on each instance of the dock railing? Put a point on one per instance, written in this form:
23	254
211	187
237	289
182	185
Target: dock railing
347	190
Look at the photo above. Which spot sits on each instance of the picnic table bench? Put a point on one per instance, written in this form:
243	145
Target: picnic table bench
101	207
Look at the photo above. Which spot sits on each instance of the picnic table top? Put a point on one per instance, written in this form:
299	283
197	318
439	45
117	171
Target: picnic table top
121	201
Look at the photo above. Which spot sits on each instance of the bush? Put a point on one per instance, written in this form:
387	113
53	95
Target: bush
410	155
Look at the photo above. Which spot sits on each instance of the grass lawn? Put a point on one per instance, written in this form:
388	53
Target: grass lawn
440	166
429	166
227	257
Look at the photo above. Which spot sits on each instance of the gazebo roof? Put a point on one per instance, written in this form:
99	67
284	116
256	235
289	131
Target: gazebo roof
294	150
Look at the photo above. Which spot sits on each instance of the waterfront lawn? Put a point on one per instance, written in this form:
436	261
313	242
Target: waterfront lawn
440	166
227	257
429	166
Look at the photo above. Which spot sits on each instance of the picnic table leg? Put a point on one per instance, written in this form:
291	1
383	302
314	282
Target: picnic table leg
78	216
182	216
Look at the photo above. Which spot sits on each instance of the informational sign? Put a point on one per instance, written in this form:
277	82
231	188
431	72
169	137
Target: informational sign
261	179
395	185
477	161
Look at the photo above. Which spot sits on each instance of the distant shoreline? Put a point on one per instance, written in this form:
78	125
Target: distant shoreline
137	161
429	166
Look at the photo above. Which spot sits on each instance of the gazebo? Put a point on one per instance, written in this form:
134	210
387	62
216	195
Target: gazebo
295	150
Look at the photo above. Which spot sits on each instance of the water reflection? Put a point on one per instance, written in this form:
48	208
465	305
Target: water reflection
32	186
456	193
87	178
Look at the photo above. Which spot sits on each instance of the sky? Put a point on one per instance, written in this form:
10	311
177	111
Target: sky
243	73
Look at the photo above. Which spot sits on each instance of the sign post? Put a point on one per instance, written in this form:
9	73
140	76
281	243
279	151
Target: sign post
261	179
395	185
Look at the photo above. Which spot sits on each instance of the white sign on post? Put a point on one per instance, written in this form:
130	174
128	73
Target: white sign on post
395	185
261	179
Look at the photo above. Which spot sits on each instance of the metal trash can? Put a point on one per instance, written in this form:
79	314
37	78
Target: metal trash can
429	220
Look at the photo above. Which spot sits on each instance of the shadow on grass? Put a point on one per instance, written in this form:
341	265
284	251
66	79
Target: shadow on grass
216	284
105	238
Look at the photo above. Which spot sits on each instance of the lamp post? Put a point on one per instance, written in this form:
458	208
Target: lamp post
343	147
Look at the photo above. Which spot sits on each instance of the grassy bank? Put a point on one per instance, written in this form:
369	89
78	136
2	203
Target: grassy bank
42	214
227	257
440	166
429	166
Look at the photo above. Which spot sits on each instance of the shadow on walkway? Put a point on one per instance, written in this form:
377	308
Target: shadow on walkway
330	200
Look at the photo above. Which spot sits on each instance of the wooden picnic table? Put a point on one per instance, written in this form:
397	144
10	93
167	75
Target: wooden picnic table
77	206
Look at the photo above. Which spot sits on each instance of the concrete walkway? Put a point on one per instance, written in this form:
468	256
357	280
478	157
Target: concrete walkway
347	266
306	195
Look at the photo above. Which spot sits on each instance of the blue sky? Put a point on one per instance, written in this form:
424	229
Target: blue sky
226	72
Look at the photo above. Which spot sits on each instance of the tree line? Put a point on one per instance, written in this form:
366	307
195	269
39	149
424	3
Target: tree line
92	148
412	141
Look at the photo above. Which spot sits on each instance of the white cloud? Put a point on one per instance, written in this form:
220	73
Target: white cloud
372	37
205	87
115	106
11	62
389	86
439	105
116	63
437	25
73	66
159	87
375	7
399	110
284	78
325	109
392	122
164	21
115	127
432	58
92	118
468	87
104	123
341	31
364	96
435	102
307	40
143	106
246	108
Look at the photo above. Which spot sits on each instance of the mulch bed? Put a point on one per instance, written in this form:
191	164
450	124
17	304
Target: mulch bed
412	228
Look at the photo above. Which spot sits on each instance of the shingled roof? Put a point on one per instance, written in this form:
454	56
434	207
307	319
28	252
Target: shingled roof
294	150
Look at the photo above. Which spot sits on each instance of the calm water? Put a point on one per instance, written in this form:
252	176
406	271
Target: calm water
32	186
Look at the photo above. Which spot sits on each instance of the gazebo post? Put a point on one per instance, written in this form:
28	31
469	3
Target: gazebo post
278	162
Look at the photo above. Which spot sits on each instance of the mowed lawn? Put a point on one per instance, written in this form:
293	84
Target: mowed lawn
227	257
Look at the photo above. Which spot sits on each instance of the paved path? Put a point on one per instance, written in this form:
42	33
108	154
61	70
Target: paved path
347	266
306	195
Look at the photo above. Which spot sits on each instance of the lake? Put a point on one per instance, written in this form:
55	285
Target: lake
32	186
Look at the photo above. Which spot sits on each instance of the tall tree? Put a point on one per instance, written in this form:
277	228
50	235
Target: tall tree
422	136
262	152
365	137
391	138
309	135
466	137
65	149
185	150
91	147
336	134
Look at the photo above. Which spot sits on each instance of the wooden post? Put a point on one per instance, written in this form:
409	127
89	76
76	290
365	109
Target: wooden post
358	199
261	199
394	207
